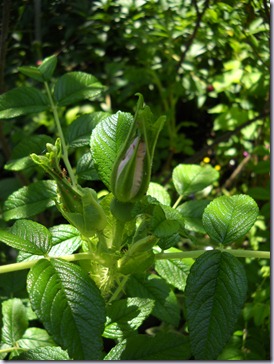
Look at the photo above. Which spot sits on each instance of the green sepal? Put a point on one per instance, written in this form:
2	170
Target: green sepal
78	205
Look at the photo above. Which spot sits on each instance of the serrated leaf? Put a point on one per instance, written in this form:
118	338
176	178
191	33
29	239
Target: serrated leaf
70	306
166	307
20	158
174	271
191	178
228	218
163	346
215	293
159	192
192	212
79	132
19	243
44	353
65	240
85	168
106	140
33	232
30	200
35	337
14	320
76	86
125	316
22	101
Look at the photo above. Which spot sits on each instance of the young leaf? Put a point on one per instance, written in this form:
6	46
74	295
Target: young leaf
125	316
33	232
70	306
22	101
30	200
14	319
215	293
76	86
163	346
166	307
44	353
228	218
191	178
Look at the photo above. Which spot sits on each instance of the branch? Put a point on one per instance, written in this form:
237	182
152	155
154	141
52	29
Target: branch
193	35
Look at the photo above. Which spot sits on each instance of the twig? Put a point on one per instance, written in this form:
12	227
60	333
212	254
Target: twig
236	172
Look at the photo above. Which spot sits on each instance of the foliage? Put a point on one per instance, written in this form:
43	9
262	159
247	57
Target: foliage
114	244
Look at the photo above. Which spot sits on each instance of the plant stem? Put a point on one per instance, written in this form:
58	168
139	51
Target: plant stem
26	265
179	199
61	135
119	289
182	255
196	253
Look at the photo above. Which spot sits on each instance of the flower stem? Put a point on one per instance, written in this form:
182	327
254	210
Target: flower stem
61	135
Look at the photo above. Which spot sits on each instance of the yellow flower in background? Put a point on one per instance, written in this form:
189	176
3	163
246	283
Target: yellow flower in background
206	160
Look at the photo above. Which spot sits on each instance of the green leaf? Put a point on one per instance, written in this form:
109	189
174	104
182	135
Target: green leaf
30	200
106	140
174	271
192	213
14	320
22	101
85	168
33	232
228	218
166	225
125	316
65	240
70	306
79	132
163	346
191	178
166	307
47	67
35	337
19	243
76	86
159	192
215	293
20	159
44	353
32	72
